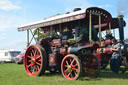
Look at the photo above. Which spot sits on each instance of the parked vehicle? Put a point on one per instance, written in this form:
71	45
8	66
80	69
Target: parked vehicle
8	55
19	59
77	55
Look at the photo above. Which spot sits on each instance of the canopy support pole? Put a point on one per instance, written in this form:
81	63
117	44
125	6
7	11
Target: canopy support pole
100	28
90	26
114	32
51	30
109	27
38	34
60	28
28	38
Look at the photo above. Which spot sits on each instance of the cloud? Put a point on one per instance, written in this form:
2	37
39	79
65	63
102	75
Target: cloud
11	22
122	7
9	19
105	6
7	22
77	4
3	36
14	44
82	4
6	5
18	42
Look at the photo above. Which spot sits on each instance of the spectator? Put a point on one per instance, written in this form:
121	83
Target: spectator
115	60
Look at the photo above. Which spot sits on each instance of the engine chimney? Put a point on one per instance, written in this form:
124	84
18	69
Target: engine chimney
121	28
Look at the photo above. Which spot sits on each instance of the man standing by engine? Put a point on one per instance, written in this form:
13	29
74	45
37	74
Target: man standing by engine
115	60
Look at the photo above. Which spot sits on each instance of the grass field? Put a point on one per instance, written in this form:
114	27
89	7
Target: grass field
13	74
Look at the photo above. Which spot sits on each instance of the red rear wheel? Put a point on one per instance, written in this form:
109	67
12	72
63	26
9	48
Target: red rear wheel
71	67
124	64
35	60
91	66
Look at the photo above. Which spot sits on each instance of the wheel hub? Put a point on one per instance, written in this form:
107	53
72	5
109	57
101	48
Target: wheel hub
69	68
33	60
91	71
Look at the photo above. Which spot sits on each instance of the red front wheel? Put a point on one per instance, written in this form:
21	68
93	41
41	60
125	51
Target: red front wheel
35	60
71	67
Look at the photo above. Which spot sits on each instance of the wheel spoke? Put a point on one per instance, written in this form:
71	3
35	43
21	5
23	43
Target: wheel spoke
75	69
39	60
66	70
67	63
93	59
29	65
69	73
72	61
33	70
33	52
75	65
75	73
95	66
90	65
29	57
90	60
38	68
30	61
38	63
38	57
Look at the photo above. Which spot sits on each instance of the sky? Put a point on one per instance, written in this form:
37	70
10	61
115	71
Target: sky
14	13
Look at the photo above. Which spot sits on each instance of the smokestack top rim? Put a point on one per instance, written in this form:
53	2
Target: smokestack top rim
120	16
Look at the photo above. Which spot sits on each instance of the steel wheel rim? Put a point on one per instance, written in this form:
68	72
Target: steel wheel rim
90	67
70	67
33	61
124	64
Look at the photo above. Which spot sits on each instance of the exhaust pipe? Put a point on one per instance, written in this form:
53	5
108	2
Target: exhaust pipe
121	28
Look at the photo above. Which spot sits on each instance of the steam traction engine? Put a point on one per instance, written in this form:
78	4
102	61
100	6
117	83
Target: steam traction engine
71	45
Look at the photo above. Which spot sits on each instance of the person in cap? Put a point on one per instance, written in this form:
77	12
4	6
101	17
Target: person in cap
115	60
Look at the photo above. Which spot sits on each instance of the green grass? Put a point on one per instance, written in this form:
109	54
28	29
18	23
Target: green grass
13	74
